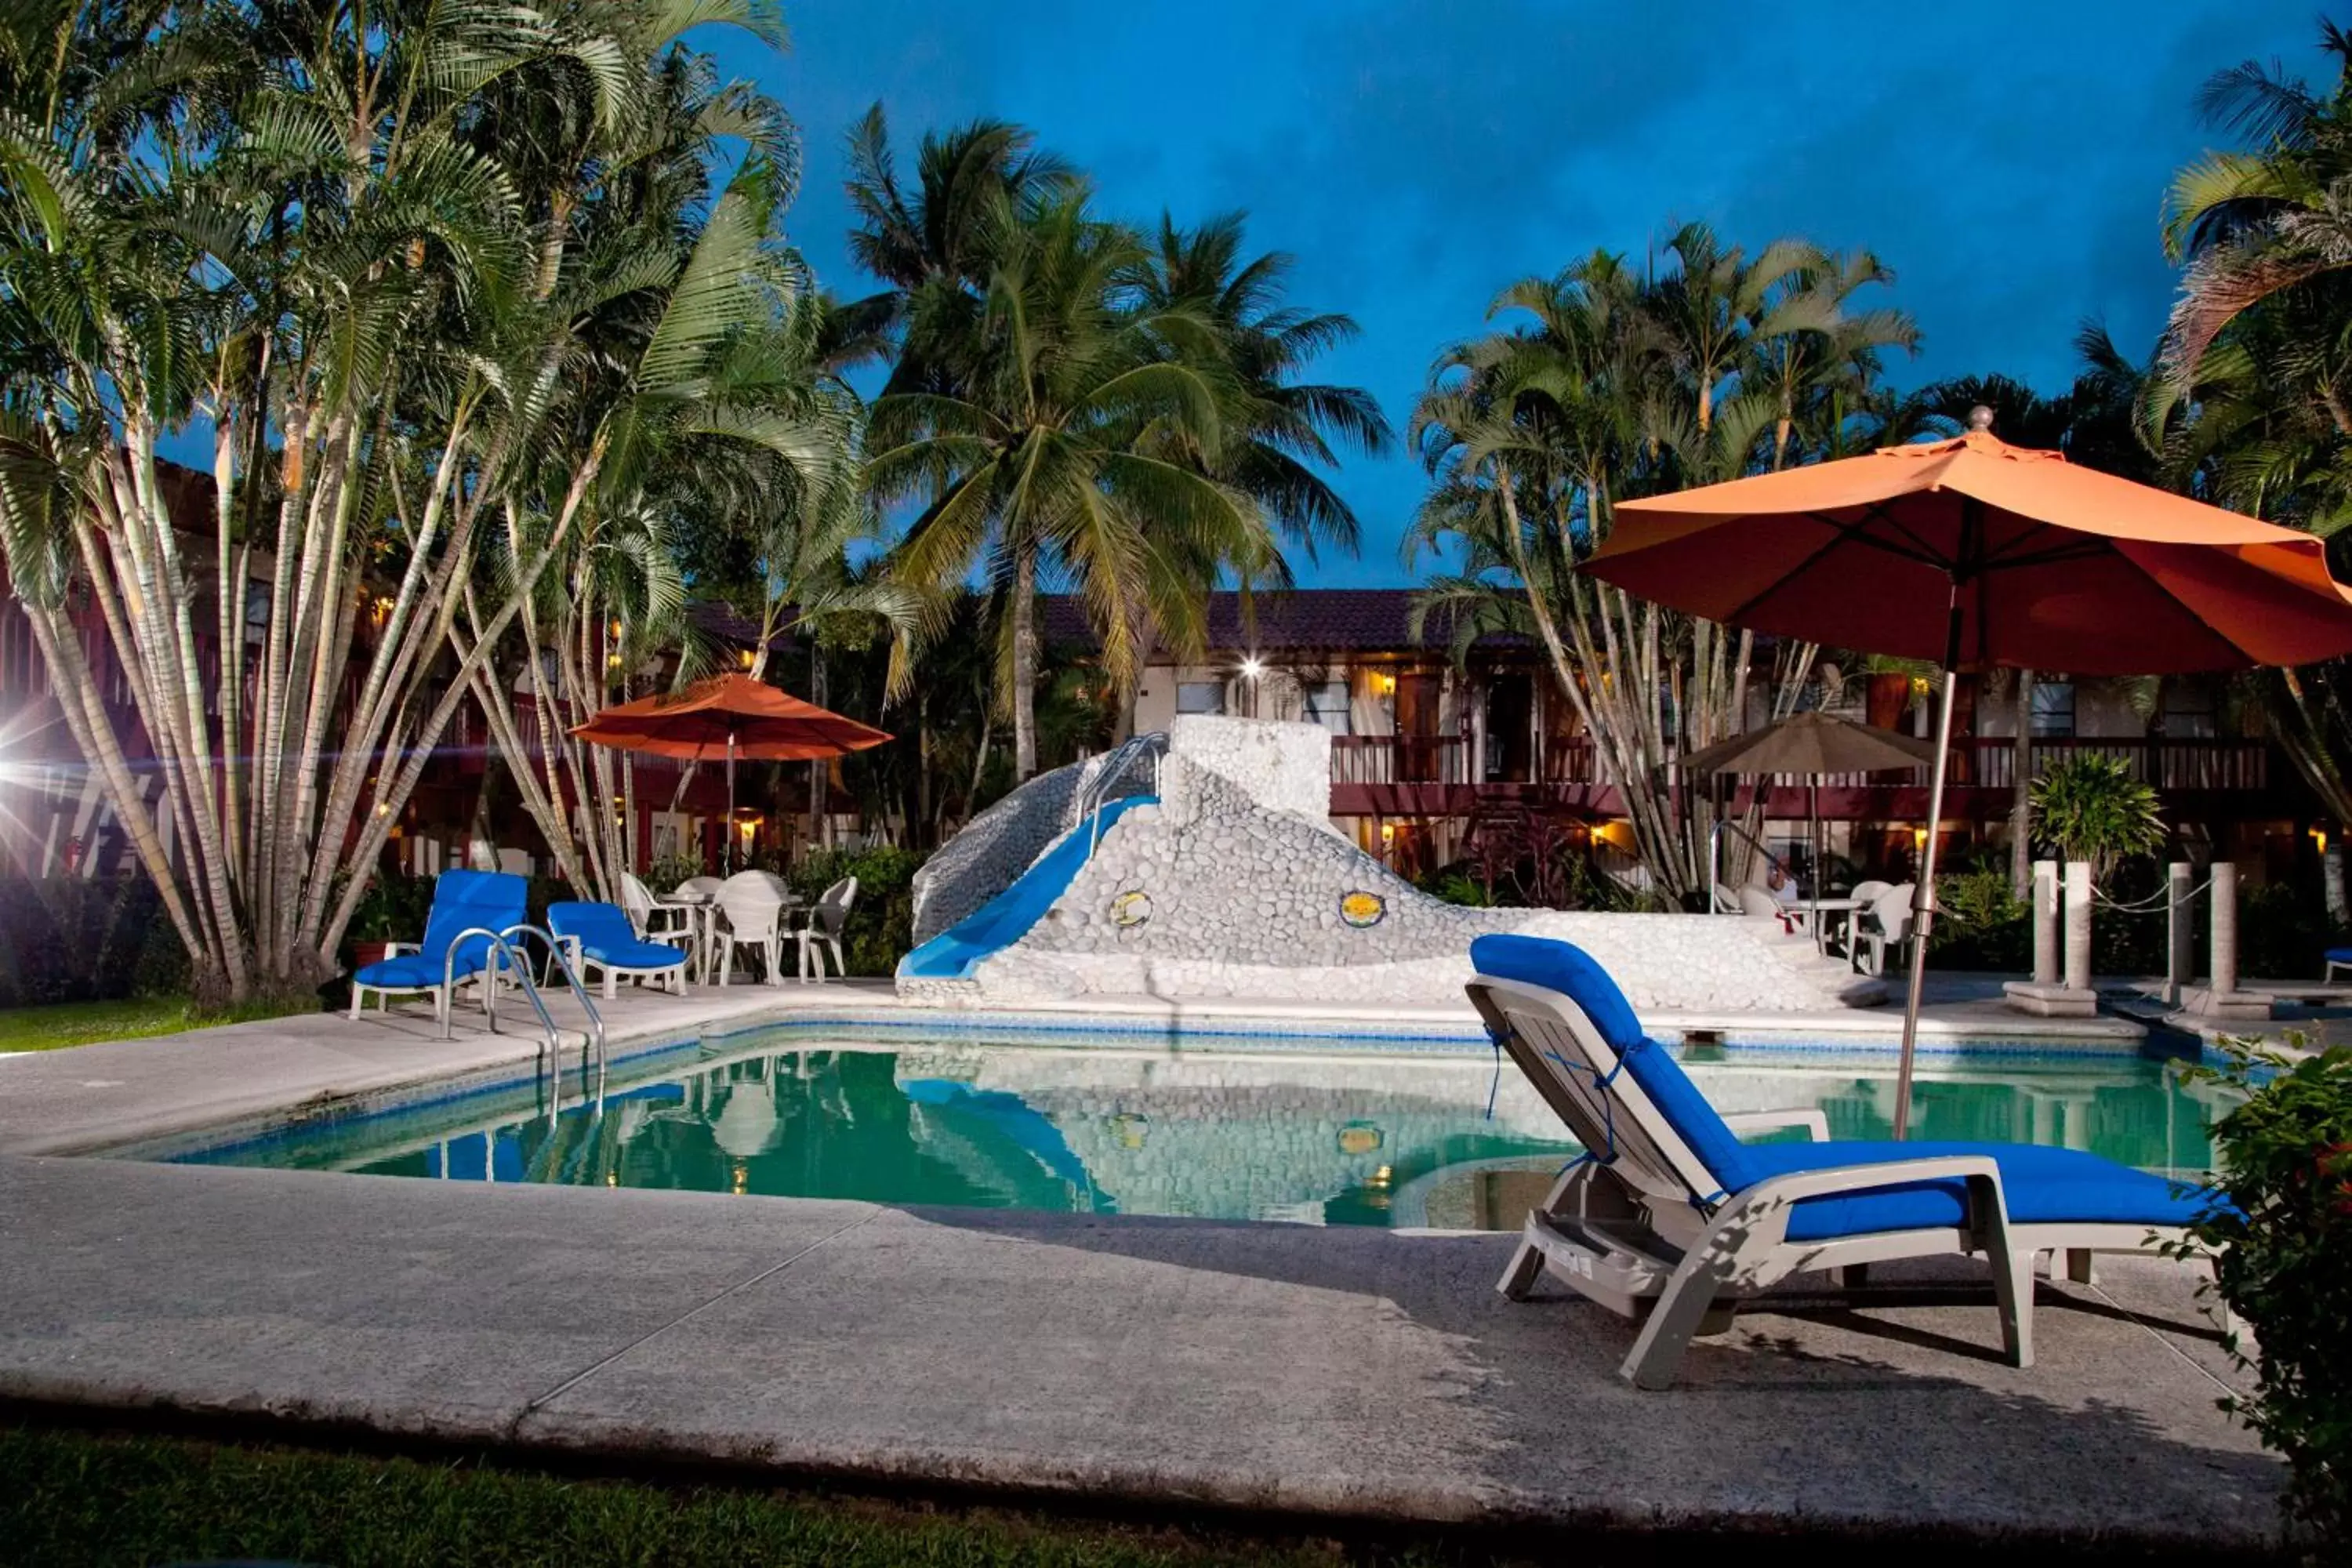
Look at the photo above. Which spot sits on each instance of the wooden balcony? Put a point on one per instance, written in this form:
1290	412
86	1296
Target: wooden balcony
1390	775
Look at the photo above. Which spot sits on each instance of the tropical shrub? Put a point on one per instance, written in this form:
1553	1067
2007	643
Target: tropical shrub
65	939
882	921
2089	807
1981	922
2283	1264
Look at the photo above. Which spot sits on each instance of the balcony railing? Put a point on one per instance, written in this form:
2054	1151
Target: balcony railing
1984	762
1399	759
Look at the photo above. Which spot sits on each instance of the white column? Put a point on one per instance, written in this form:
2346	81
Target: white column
2078	925
2180	930
2045	922
2225	928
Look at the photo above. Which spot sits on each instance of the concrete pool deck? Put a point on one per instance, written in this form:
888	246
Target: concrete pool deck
1329	1374
1322	1375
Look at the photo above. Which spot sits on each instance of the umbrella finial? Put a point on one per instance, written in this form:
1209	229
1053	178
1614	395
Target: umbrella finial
1980	420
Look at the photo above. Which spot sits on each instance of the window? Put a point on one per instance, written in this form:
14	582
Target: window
1327	704
2053	708
2188	713
1200	697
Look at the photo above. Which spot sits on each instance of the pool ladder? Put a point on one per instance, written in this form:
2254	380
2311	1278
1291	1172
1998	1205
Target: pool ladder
505	954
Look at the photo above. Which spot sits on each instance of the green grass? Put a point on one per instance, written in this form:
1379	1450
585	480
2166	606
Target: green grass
79	1023
69	1497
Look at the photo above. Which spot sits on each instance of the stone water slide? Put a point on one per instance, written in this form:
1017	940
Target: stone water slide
1232	883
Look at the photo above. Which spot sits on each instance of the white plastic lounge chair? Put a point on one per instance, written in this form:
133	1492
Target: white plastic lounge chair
597	937
751	905
1669	1206
823	928
2338	958
462	901
1757	904
654	918
1884	926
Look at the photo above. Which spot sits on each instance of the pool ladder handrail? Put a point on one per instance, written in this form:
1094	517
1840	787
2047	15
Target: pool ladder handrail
1096	792
504	952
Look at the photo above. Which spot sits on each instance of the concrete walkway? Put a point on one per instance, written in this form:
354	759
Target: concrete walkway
1354	1372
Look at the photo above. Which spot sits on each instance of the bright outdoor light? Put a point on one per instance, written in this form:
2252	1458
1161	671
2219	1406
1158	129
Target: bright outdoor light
1253	668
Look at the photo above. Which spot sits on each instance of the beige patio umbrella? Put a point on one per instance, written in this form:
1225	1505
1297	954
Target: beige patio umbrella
1811	745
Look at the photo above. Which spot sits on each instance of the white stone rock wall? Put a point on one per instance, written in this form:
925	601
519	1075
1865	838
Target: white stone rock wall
1235	887
1278	766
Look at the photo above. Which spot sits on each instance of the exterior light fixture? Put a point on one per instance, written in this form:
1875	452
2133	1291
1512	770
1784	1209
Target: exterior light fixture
744	658
1252	668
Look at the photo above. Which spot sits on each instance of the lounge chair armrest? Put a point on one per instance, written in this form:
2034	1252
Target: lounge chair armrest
1842	1180
1811	1118
394	949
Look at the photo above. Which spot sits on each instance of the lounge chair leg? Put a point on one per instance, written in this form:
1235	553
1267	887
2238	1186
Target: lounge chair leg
2012	1289
1688	1299
1518	1280
1715	1320
2080	1269
359	996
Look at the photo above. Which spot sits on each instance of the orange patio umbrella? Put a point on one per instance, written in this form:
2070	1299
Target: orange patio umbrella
1976	554
728	717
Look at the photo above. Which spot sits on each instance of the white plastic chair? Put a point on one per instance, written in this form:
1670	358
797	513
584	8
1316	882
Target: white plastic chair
823	928
653	919
752	904
1886	923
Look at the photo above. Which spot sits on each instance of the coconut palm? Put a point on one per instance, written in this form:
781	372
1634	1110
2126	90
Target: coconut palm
1610	384
1071	434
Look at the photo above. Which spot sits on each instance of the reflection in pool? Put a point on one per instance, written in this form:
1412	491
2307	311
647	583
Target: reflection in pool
1319	1137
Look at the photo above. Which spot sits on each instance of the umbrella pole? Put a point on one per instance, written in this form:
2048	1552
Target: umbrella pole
1813	848
730	803
1922	900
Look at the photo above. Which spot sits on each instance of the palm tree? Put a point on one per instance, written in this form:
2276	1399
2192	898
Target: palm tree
342	236
1057	441
2258	223
1612	384
1279	429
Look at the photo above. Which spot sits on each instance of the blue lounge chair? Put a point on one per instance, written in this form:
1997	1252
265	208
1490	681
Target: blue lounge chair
462	901
600	937
1669	1204
2338	958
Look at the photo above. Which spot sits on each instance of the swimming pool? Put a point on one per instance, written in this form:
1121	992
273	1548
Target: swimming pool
1321	1133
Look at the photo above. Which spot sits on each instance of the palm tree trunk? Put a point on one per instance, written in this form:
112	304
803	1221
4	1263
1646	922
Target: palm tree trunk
1024	663
2021	790
820	815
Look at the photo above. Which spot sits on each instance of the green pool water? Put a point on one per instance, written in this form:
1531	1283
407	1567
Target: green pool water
1338	1135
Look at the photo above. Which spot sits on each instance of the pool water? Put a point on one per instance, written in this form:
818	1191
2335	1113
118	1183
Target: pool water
1328	1133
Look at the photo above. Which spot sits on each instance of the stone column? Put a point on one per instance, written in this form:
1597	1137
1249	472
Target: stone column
2078	925
2225	928
2045	922
2180	930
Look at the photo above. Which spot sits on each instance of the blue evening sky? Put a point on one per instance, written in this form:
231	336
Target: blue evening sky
2006	157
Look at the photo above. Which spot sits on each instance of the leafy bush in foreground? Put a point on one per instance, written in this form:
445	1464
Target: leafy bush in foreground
2283	1253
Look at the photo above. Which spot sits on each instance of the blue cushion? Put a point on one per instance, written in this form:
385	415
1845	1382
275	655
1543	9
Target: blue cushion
493	900
415	972
1563	967
2041	1185
2339	955
606	936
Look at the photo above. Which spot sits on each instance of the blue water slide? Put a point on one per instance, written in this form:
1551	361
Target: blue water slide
1005	919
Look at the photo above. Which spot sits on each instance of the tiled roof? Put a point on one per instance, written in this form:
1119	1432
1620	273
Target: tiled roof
1319	620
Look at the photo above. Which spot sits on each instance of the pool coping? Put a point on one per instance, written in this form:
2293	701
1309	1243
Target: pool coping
176	1084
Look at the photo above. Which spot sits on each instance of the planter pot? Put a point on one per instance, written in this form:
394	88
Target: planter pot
366	953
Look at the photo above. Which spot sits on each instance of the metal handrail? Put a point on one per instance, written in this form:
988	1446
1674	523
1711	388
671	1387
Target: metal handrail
501	950
555	953
1095	794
